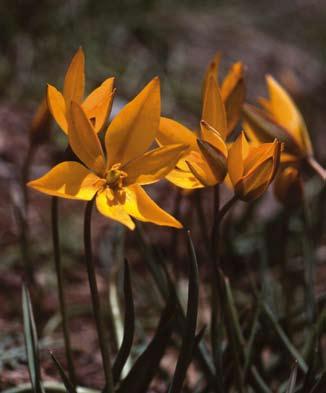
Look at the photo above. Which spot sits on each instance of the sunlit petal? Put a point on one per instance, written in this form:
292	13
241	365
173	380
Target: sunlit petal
171	132
133	130
84	141
183	179
213	107
287	114
69	180
97	105
212	70
140	206
57	107
116	212
212	136
153	165
237	153
74	83
233	95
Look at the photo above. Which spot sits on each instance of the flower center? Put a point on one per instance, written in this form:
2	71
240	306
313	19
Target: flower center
115	177
115	192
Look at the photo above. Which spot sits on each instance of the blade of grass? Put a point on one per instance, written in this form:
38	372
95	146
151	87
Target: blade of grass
31	342
188	341
288	345
68	384
292	379
147	364
129	326
164	283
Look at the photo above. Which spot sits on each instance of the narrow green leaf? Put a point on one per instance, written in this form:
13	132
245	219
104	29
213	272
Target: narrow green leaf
147	364
129	326
189	334
292	379
68	385
235	336
31	342
320	385
292	350
164	283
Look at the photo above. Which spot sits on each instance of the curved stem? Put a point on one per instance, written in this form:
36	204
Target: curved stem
226	207
104	346
60	284
316	167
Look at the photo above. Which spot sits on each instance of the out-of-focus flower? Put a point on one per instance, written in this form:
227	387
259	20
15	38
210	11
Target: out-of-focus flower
116	180
279	118
288	187
40	126
97	105
206	163
252	168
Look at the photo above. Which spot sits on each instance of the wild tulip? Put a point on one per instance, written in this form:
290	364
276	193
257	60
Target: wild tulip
288	187
116	180
252	168
280	118
96	105
206	163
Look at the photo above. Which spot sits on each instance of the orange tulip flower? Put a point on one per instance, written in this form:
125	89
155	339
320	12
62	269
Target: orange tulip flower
96	105
206	163
280	118
252	168
116	180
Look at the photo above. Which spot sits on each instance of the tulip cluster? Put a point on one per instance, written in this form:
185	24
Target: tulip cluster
109	169
114	175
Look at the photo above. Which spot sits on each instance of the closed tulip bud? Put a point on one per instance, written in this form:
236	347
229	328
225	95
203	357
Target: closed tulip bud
288	187
252	168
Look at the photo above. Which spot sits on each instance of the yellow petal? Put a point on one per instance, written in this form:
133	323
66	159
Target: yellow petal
287	114
258	154
153	165
212	136
237	153
256	182
215	159
140	206
171	132
74	83
213	111
233	95
133	130
69	180
212	70
183	179
202	172
266	129
84	141
57	107
97	105
116	212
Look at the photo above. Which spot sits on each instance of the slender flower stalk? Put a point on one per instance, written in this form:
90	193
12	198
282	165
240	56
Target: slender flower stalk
104	344
60	284
319	170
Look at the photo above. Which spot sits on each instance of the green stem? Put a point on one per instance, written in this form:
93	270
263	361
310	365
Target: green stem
316	167
309	266
216	301
60	284
22	217
217	292
104	347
